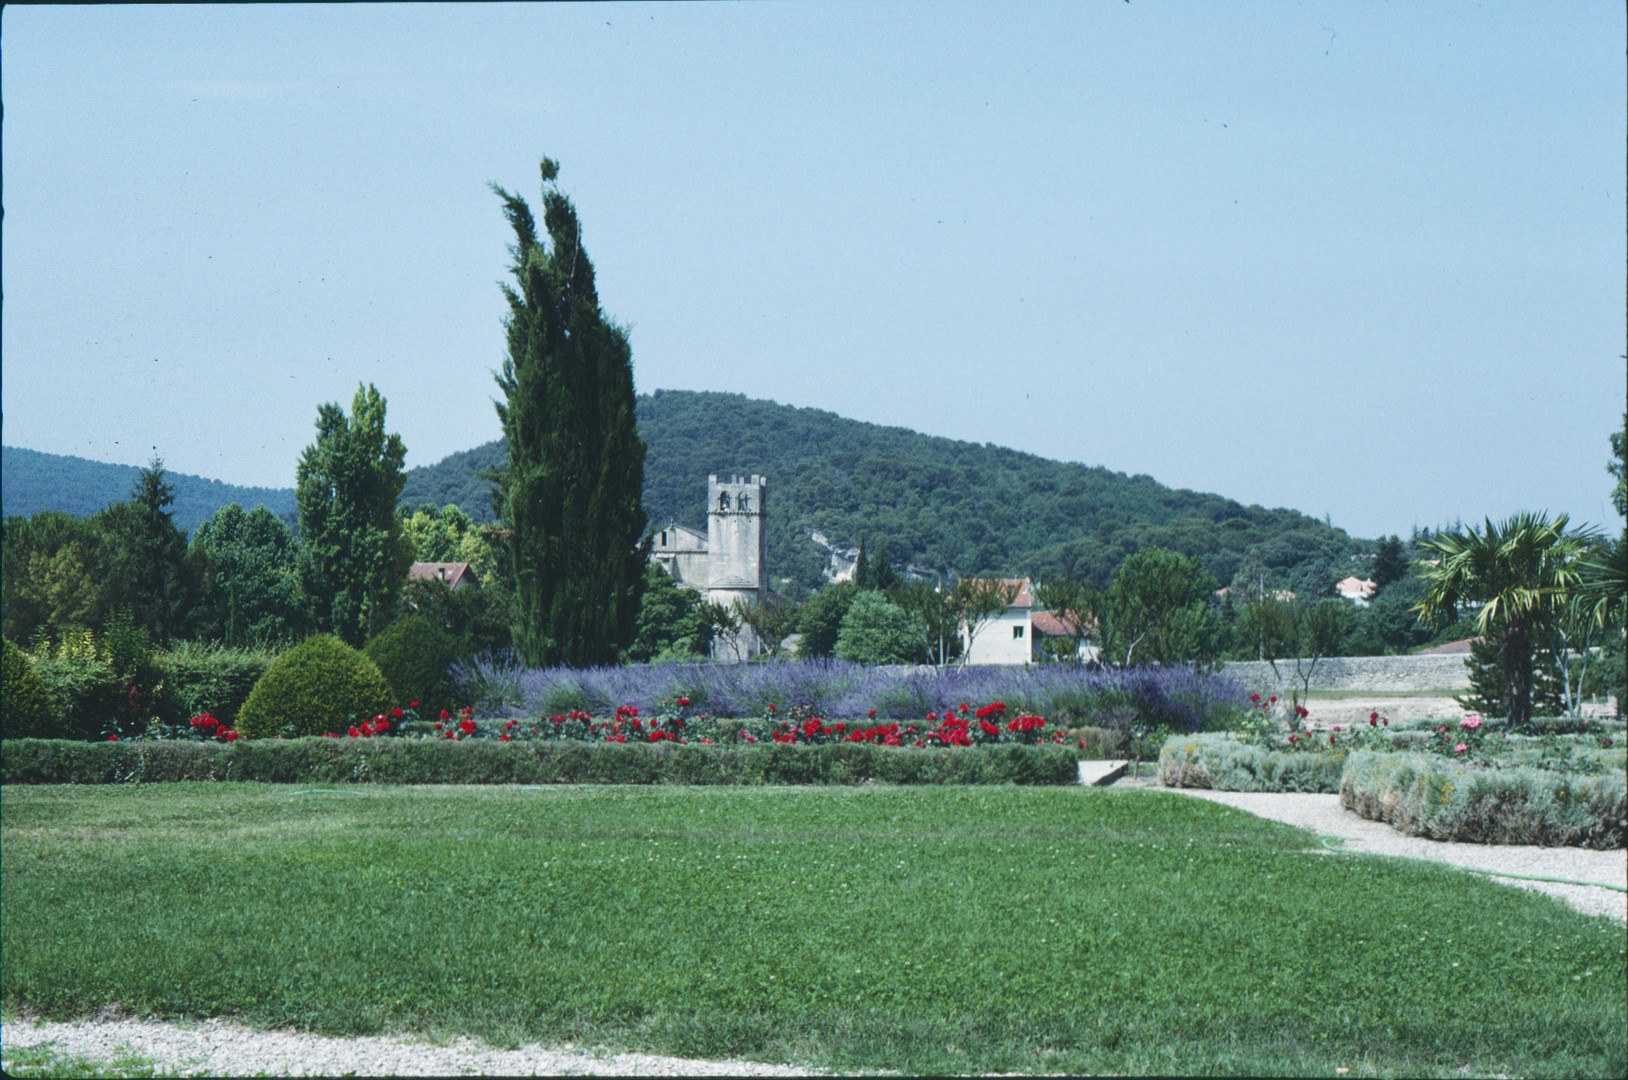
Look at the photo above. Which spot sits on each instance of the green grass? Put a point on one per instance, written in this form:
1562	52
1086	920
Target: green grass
46	1062
925	930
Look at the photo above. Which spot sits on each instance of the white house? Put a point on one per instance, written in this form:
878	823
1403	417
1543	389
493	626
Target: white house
1355	589
1053	624
1008	638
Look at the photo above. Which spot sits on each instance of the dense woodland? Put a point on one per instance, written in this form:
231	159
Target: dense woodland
31	481
943	505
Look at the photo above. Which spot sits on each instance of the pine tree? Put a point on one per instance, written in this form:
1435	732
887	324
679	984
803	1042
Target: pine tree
156	551
882	575
570	491
1389	563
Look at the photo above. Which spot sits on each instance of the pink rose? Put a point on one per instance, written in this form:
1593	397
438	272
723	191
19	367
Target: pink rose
1460	748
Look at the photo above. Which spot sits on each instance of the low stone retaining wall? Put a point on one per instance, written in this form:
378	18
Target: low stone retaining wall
1391	674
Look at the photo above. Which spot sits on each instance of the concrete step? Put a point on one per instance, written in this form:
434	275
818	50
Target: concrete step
1102	773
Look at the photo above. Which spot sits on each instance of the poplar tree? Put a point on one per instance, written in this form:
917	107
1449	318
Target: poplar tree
354	560
570	490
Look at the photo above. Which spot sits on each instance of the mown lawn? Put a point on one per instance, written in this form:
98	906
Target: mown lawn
920	929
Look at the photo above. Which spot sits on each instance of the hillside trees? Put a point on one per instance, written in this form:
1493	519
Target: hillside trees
251	592
571	484
820	620
55	576
1390	564
1157	611
876	631
354	556
673	623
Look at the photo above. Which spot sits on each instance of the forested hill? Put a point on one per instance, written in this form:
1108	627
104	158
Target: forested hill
940	504
31	481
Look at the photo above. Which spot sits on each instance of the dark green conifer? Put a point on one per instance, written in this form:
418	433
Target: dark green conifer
570	490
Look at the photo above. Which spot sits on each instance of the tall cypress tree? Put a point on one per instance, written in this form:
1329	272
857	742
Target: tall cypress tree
570	490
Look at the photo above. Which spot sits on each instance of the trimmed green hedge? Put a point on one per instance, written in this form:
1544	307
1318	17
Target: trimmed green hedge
1221	762
1425	795
438	761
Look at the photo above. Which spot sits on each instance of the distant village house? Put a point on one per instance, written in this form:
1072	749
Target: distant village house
454	575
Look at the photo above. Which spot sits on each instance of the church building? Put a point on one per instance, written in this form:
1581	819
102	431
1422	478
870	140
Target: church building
727	563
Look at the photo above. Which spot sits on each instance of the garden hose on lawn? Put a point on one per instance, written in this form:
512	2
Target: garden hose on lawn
1336	844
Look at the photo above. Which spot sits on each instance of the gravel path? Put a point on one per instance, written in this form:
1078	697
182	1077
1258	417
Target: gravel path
221	1048
1323	814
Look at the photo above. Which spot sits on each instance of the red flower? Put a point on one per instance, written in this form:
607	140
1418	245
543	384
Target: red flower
395	714
445	716
381	726
412	704
502	738
438	724
683	703
354	733
112	738
510	725
467	727
1274	698
228	734
772	709
932	716
1254	697
871	715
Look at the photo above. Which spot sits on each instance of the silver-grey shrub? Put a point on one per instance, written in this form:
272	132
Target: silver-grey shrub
1427	795
1222	762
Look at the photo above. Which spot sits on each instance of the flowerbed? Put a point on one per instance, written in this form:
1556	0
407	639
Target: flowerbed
676	721
1454	781
539	761
1427	795
1176	698
1225	762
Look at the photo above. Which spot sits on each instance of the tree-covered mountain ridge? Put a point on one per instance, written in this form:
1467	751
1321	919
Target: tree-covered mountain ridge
945	505
941	504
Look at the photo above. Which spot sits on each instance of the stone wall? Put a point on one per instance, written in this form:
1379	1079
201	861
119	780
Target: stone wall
1444	675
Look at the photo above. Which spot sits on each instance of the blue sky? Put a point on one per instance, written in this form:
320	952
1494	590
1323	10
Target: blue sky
1364	261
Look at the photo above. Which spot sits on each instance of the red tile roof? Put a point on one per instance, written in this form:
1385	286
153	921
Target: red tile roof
453	573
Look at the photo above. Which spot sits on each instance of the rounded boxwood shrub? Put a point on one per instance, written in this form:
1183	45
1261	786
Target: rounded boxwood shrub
416	658
26	707
318	686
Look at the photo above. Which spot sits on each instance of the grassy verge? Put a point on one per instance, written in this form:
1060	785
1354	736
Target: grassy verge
925	930
46	1063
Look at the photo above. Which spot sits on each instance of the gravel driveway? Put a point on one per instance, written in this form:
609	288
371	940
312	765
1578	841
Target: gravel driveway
1323	814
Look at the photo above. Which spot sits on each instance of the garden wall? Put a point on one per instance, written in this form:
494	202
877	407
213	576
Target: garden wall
1394	674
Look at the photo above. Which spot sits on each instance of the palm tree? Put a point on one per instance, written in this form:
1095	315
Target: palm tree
1521	572
1602	591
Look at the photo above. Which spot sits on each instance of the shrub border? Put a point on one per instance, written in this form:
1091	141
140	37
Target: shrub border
431	761
1425	795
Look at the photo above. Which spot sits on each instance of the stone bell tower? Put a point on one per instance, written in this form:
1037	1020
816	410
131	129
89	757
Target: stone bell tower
736	546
